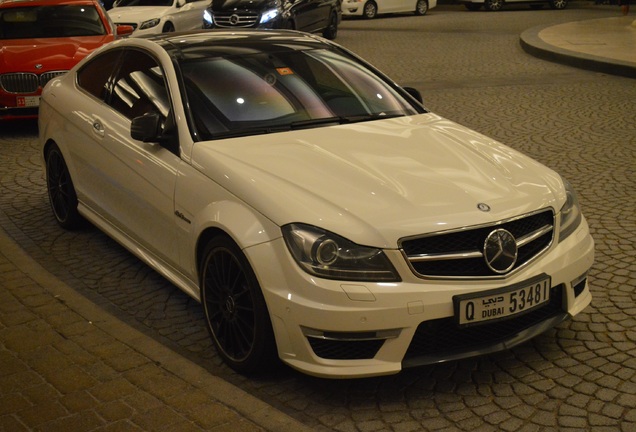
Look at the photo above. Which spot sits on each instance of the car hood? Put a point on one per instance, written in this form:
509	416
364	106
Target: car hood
383	180
125	14
225	5
23	55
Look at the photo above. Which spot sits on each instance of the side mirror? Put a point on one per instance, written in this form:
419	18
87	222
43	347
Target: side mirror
147	128
414	93
181	3
123	30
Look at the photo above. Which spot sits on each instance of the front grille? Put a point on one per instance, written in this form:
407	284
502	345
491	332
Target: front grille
345	349
133	25
459	253
236	19
18	112
443	338
26	83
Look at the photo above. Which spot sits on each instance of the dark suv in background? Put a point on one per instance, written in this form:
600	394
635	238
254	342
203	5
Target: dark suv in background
311	16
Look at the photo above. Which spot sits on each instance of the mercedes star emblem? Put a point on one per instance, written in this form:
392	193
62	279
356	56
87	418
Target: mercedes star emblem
500	251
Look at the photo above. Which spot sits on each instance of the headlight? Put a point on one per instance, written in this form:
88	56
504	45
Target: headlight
207	17
570	213
325	254
149	24
269	15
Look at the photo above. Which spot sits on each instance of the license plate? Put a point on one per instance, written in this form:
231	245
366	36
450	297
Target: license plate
502	303
28	101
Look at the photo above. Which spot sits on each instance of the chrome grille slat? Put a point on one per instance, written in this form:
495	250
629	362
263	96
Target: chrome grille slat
459	253
20	82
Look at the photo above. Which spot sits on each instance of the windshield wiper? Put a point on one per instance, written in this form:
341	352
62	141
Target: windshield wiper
301	124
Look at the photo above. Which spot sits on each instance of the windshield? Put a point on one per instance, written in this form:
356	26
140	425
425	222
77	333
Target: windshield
50	22
164	3
271	92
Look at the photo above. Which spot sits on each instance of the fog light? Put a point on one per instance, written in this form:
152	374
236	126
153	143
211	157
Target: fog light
578	284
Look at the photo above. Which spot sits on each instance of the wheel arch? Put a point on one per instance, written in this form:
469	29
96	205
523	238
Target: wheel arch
168	23
364	6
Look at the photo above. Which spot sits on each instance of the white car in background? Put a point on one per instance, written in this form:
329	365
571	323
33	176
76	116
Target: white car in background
371	8
316	209
159	16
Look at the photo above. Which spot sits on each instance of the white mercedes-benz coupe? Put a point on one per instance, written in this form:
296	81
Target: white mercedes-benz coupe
158	16
316	209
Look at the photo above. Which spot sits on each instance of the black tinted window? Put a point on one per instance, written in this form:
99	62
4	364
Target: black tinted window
93	77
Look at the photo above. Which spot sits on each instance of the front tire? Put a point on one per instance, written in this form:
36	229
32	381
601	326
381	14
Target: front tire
235	310
370	10
61	191
558	4
472	6
421	7
493	5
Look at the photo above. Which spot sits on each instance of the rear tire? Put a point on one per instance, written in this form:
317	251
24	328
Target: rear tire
558	4
332	29
61	191
236	314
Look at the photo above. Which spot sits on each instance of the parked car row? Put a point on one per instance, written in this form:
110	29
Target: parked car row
320	214
45	38
318	211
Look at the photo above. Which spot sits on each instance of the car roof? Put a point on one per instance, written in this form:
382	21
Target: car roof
195	44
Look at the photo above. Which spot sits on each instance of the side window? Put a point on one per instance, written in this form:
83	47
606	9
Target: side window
94	75
139	87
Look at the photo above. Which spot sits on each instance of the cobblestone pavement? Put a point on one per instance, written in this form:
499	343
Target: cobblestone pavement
471	69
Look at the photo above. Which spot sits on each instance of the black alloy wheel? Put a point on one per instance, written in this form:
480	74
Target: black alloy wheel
493	5
558	4
61	191
235	310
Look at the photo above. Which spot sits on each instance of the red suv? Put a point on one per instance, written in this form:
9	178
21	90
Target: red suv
40	39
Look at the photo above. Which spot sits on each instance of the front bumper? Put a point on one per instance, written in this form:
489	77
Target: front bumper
342	329
10	109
